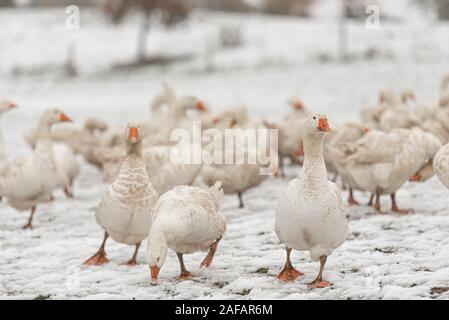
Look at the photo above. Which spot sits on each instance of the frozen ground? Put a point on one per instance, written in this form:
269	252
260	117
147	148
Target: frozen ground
389	257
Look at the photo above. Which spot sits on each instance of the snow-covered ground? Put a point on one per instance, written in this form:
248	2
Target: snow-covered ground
386	256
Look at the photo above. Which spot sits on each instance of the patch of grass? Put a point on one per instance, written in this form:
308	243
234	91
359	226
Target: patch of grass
220	285
244	292
263	270
42	297
439	290
386	250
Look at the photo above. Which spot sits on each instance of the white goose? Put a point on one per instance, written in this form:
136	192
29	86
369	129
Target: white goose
29	180
164	172
336	142
5	106
310	214
239	176
187	220
125	211
382	162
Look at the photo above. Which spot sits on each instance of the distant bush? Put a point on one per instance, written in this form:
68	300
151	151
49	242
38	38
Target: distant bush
6	3
288	7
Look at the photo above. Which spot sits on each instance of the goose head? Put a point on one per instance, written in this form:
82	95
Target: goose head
6	106
54	116
133	133
192	103
296	103
407	96
316	125
157	252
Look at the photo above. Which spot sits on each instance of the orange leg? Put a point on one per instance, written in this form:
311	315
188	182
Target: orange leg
289	273
99	258
29	224
241	205
319	282
133	261
394	206
210	256
185	275
351	199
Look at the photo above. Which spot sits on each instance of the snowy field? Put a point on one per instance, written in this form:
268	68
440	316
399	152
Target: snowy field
385	256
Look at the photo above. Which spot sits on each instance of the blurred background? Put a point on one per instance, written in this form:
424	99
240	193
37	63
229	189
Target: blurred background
112	59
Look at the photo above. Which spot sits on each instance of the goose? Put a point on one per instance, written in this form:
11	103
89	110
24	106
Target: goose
371	116
79	139
125	211
310	214
240	175
299	111
441	165
290	139
164	169
187	220
29	180
382	162
336	142
5	106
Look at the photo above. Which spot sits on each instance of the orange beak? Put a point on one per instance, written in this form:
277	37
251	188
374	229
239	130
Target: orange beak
133	133
201	106
299	152
415	178
276	172
366	130
323	125
299	105
12	105
64	118
154	274
233	123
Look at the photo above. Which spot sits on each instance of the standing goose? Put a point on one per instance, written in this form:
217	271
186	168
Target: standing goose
125	211
186	220
382	162
29	180
310	214
5	106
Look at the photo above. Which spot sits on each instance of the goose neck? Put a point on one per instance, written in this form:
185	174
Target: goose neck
314	168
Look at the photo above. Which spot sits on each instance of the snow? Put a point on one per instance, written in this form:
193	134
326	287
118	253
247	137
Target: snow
385	256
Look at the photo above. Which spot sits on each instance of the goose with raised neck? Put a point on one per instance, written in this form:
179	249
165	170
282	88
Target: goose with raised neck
29	180
126	209
310	215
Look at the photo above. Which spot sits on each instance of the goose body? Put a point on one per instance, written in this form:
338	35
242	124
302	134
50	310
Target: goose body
236	178
187	220
310	214
29	179
382	162
125	211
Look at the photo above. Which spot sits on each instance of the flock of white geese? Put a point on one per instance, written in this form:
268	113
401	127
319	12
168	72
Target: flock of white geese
177	206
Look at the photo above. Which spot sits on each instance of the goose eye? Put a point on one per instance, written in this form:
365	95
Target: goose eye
158	260
314	118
